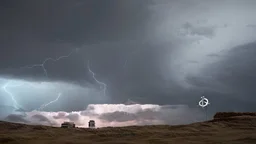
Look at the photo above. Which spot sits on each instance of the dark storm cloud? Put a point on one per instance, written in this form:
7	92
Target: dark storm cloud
231	81
40	118
237	69
16	118
67	21
109	34
198	30
238	72
136	47
31	28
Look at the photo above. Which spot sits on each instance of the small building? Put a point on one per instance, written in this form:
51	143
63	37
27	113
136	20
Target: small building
91	124
68	125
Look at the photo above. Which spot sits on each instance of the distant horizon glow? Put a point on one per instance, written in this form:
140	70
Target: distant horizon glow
114	115
103	114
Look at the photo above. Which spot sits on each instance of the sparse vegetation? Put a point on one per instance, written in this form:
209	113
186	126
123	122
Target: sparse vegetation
225	128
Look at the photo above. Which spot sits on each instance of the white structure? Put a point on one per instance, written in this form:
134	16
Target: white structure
91	124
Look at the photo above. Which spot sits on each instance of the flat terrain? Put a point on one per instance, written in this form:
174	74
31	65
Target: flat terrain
225	128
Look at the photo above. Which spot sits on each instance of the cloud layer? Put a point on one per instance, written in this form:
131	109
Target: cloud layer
162	52
114	115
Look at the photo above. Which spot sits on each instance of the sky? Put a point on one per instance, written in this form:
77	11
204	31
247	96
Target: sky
125	62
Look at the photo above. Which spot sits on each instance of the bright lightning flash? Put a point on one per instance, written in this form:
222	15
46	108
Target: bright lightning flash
46	60
15	103
100	83
45	105
42	65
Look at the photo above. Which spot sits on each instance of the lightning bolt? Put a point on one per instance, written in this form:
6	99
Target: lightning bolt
45	105
15	103
42	65
100	83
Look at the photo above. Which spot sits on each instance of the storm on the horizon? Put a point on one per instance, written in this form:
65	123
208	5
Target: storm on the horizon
125	62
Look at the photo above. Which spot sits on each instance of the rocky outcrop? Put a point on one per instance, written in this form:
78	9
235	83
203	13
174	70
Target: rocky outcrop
221	115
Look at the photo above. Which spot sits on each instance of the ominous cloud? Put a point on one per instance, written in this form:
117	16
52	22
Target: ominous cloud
168	52
16	118
189	29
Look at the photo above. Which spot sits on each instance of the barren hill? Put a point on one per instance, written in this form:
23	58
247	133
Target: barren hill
235	128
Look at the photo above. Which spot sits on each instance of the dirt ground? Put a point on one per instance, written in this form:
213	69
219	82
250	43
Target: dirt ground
225	128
